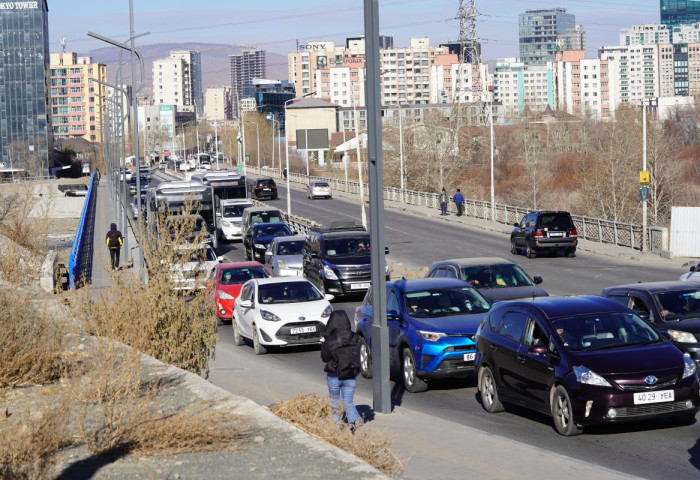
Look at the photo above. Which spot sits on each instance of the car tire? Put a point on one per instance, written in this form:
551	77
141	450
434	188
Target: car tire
411	382
258	348
571	253
529	252
489	392
513	249
237	337
562	413
365	359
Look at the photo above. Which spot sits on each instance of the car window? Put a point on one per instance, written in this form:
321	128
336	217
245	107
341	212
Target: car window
534	334
496	276
290	248
294	292
234	210
442	302
263	230
513	325
605	330
247	292
679	304
238	275
555	221
347	247
392	302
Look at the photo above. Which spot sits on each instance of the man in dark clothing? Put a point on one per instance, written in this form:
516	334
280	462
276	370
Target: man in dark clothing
459	201
443	202
338	341
114	241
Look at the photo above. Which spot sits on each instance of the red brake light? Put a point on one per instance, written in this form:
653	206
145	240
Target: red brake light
573	232
538	233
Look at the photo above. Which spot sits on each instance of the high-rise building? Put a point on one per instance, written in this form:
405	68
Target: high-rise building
217	101
25	123
245	66
518	86
680	12
584	86
76	106
543	32
177	80
636	69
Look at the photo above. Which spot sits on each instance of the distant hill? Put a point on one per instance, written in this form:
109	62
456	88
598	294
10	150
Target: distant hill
215	62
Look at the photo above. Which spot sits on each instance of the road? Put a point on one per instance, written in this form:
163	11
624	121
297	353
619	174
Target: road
657	450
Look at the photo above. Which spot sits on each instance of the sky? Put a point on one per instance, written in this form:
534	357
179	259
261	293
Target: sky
277	25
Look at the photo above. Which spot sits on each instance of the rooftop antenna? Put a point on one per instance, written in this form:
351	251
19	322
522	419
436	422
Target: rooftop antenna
63	45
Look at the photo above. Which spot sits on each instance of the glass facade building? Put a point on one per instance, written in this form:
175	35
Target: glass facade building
25	125
539	33
680	12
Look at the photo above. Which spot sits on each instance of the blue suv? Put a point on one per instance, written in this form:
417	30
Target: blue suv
432	323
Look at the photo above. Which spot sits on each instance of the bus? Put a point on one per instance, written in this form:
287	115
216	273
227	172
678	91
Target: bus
227	184
179	197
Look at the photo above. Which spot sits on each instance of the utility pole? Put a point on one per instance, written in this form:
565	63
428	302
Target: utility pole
403	198
359	165
645	220
216	143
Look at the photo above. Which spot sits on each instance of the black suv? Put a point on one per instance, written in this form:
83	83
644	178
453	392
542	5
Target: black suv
263	188
337	259
544	231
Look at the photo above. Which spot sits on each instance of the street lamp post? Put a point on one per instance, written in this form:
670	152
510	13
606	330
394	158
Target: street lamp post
257	140
286	149
359	170
401	153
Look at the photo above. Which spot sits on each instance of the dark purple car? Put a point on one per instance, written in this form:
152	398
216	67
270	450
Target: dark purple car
584	360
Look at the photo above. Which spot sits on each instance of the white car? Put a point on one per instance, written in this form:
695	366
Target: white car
280	311
693	275
284	257
125	175
193	265
319	189
230	215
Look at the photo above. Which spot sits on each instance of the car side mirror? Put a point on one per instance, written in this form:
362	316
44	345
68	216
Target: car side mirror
516	225
692	268
392	315
386	250
329	297
268	254
220	259
246	303
643	315
537	280
538	349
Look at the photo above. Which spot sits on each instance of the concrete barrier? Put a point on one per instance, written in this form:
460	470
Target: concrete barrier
47	279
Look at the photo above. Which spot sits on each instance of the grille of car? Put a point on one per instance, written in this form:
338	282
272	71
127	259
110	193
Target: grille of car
637	384
284	332
460	348
452	364
650	409
355	273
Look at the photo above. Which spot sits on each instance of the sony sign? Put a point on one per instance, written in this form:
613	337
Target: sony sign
317	47
18	5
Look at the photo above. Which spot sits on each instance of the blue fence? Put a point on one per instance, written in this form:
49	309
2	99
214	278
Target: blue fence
80	260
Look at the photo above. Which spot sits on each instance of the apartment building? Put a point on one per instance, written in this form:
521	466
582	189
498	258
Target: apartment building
177	80
217	103
584	86
244	67
636	69
447	85
518	86
542	32
77	108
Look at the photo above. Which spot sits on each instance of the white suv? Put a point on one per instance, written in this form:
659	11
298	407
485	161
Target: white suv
194	265
230	214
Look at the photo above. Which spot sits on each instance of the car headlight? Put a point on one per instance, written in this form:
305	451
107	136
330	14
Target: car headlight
329	273
280	263
682	337
589	377
261	246
431	336
269	316
225	223
689	368
225	296
327	312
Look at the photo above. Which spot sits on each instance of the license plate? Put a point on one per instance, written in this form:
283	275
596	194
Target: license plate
469	357
556	234
653	397
266	189
297	330
359	286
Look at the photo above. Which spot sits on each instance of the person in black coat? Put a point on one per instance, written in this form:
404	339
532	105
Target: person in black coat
114	241
337	341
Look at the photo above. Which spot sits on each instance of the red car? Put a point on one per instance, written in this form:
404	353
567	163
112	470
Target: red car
228	278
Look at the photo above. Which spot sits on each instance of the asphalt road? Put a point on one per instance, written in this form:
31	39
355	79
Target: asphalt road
654	450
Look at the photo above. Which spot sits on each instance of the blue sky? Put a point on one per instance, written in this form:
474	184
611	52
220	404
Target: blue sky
276	25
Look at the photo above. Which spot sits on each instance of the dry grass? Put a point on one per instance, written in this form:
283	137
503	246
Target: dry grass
399	270
311	413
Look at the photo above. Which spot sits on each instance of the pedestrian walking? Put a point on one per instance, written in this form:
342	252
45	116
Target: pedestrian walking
443	202
114	241
341	352
459	201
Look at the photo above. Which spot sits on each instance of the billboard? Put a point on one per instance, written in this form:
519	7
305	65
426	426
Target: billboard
315	138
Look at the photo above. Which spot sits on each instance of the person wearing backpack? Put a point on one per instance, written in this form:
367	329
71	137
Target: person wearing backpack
341	352
114	242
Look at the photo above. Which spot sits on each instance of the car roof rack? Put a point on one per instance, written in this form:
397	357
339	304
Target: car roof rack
342	226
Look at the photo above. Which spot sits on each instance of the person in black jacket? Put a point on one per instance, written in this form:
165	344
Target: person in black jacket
114	241
340	351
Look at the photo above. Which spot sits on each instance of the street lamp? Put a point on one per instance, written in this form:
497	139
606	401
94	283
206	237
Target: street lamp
401	153
257	140
286	148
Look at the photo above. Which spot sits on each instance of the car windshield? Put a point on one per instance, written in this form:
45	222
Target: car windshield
265	217
321	185
603	331
266	183
264	230
679	304
496	276
293	292
347	247
234	210
290	248
238	275
443	302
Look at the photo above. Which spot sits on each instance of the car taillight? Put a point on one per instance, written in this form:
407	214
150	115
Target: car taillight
273	186
259	187
538	233
573	232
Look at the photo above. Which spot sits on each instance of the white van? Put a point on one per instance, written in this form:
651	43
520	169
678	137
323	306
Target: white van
230	214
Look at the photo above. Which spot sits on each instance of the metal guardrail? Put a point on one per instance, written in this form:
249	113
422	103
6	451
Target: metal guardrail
589	228
81	253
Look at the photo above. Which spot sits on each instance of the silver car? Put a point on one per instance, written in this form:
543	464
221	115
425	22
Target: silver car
284	256
319	189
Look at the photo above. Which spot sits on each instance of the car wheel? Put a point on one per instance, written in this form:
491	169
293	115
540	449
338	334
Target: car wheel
571	252
411	382
248	254
562	412
237	337
489	392
365	359
513	248
529	253
258	348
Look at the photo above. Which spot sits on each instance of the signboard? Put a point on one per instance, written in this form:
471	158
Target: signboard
317	139
643	194
167	123
644	177
354	62
18	5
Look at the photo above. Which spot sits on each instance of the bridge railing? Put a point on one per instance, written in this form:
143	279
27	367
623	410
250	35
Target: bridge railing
589	228
81	252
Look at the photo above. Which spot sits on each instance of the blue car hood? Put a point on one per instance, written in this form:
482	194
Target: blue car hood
647	359
450	324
